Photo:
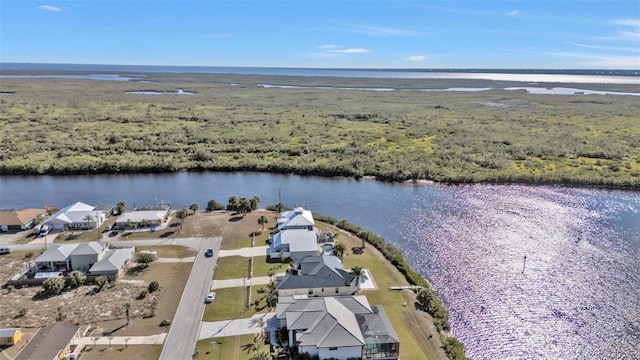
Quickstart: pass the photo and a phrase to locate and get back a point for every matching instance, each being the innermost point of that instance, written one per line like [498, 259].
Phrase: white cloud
[627, 22]
[383, 31]
[603, 47]
[49, 8]
[350, 51]
[328, 47]
[416, 58]
[513, 13]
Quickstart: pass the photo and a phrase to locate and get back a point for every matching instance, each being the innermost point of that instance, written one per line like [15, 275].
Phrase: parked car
[44, 230]
[210, 297]
[209, 252]
[5, 249]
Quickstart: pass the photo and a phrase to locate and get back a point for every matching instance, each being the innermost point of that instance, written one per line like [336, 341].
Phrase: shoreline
[421, 182]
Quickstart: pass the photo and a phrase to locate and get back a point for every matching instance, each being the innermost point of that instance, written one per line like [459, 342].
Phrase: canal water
[575, 296]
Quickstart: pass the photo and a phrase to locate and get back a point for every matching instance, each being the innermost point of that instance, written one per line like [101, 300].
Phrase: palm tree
[127, 306]
[357, 271]
[121, 207]
[87, 219]
[262, 220]
[339, 249]
[193, 207]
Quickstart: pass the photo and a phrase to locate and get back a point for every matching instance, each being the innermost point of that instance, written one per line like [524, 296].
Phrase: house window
[336, 290]
[333, 348]
[310, 291]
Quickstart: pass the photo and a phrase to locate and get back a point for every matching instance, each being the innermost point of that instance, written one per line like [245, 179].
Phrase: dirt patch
[26, 307]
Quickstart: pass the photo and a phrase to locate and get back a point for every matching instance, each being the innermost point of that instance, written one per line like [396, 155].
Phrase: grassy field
[231, 347]
[491, 136]
[122, 352]
[230, 267]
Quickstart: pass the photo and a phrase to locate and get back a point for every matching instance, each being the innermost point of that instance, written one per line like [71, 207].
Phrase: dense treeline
[54, 126]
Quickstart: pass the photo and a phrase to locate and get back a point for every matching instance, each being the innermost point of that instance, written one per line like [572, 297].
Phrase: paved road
[183, 334]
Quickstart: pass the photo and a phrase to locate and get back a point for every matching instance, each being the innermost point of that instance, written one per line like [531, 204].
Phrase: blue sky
[327, 34]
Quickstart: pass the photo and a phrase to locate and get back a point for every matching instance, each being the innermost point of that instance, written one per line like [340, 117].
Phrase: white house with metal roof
[76, 216]
[143, 218]
[295, 237]
[341, 327]
[114, 262]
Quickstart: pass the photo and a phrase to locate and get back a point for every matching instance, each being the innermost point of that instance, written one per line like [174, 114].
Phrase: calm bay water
[579, 294]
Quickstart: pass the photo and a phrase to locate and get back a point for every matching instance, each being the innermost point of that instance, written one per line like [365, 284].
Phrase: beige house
[10, 337]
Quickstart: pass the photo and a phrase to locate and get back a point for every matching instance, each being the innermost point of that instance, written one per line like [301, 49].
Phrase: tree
[260, 355]
[253, 202]
[232, 204]
[144, 258]
[214, 205]
[339, 248]
[193, 207]
[126, 341]
[127, 306]
[244, 206]
[121, 207]
[76, 279]
[87, 219]
[357, 271]
[181, 214]
[262, 220]
[101, 281]
[153, 286]
[53, 286]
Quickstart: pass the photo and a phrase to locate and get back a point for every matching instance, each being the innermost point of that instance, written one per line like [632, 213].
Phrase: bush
[101, 281]
[153, 286]
[23, 312]
[453, 348]
[213, 205]
[144, 259]
[53, 286]
[165, 322]
[143, 293]
[75, 279]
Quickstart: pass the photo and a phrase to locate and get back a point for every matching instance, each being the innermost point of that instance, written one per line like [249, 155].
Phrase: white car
[210, 297]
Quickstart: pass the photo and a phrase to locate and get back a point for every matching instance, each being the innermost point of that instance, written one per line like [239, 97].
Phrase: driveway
[233, 327]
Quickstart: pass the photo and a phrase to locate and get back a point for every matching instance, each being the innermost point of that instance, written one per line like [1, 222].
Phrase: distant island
[443, 130]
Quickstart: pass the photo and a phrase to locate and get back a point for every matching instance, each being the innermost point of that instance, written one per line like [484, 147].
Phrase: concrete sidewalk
[177, 260]
[234, 327]
[246, 252]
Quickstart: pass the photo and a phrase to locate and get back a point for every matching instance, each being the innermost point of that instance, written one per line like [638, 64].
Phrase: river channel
[576, 296]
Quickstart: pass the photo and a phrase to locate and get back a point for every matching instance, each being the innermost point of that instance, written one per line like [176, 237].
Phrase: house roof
[48, 342]
[295, 217]
[90, 248]
[317, 272]
[139, 216]
[74, 213]
[326, 321]
[297, 239]
[56, 253]
[113, 260]
[4, 333]
[19, 217]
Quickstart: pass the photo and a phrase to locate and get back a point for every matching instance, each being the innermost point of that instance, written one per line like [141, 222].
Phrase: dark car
[209, 252]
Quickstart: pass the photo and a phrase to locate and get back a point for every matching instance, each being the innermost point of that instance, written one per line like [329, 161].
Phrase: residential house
[295, 236]
[142, 218]
[93, 258]
[321, 275]
[10, 337]
[18, 220]
[114, 262]
[341, 327]
[52, 342]
[76, 216]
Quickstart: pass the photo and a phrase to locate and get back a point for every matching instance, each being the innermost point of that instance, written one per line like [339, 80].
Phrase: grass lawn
[229, 348]
[122, 352]
[235, 267]
[229, 304]
[398, 305]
